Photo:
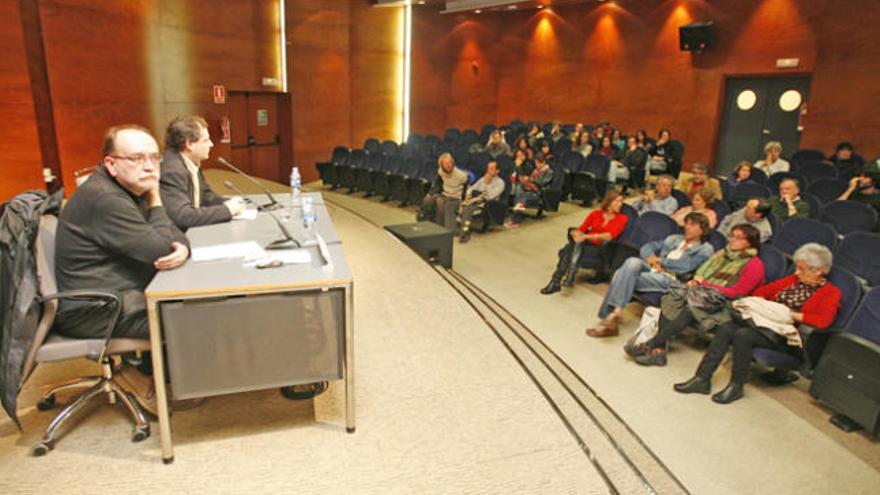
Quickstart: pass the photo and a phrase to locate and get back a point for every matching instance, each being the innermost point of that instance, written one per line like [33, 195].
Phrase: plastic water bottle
[310, 216]
[295, 191]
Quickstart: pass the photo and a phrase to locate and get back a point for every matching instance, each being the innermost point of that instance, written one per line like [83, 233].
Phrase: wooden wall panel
[319, 71]
[20, 165]
[620, 61]
[376, 40]
[147, 61]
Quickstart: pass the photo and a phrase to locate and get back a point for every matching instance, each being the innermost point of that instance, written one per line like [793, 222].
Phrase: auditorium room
[440, 246]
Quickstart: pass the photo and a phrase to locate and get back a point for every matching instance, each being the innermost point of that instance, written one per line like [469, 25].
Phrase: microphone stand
[272, 205]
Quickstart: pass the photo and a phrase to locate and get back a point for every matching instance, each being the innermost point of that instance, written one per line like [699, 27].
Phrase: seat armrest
[815, 341]
[110, 297]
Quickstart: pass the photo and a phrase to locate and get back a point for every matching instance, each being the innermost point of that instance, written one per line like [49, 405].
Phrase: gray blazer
[176, 186]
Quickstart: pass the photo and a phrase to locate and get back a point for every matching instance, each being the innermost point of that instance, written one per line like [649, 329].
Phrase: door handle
[766, 131]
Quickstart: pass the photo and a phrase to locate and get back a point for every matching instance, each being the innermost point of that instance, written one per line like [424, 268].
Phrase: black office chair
[48, 347]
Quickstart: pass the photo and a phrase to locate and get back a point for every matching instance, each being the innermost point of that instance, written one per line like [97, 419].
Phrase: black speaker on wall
[696, 36]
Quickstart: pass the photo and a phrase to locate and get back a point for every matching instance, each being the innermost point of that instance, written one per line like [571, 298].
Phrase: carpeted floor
[444, 406]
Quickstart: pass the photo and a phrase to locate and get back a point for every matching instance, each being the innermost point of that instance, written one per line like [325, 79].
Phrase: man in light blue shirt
[660, 199]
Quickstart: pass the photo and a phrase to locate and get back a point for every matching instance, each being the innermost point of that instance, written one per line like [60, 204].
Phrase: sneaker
[510, 224]
[655, 357]
[519, 207]
[140, 386]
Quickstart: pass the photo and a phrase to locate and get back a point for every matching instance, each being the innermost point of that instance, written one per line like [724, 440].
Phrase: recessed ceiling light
[478, 11]
[512, 7]
[540, 6]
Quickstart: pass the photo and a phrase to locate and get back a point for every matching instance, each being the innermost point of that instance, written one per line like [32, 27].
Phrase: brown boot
[140, 386]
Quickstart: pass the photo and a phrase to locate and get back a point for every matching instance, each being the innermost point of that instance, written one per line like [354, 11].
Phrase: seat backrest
[857, 252]
[827, 189]
[632, 219]
[469, 137]
[816, 170]
[759, 176]
[357, 158]
[745, 191]
[775, 263]
[717, 240]
[851, 293]
[798, 231]
[865, 321]
[477, 163]
[722, 209]
[372, 145]
[572, 161]
[652, 226]
[806, 155]
[44, 253]
[451, 135]
[340, 154]
[816, 206]
[849, 216]
[597, 165]
[395, 163]
[681, 197]
[375, 161]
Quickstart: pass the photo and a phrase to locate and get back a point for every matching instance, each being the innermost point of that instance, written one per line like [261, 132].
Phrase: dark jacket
[176, 186]
[19, 287]
[108, 238]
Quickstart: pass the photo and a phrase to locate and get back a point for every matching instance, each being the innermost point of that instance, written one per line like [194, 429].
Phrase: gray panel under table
[234, 344]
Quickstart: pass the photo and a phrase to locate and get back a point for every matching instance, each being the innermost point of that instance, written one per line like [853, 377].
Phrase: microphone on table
[272, 205]
[288, 242]
[231, 187]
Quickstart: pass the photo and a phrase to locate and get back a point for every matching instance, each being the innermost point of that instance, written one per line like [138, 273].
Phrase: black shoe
[733, 391]
[552, 287]
[696, 385]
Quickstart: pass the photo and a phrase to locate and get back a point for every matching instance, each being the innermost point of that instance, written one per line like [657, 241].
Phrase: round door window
[790, 100]
[746, 100]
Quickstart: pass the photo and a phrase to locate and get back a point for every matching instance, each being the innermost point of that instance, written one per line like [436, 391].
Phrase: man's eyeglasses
[140, 159]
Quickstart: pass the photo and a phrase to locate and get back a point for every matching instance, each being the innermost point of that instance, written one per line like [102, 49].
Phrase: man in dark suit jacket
[189, 199]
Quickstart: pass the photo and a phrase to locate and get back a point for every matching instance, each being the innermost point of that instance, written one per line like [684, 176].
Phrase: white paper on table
[287, 256]
[246, 214]
[232, 250]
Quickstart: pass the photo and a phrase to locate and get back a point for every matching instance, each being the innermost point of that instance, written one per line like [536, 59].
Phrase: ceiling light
[478, 11]
[512, 7]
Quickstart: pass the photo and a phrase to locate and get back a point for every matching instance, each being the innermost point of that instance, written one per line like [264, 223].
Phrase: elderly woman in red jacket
[809, 298]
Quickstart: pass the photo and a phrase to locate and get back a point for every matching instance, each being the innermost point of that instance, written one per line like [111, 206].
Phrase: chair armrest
[815, 341]
[110, 297]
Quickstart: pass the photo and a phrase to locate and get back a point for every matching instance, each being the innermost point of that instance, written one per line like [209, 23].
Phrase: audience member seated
[789, 203]
[603, 224]
[616, 170]
[732, 272]
[444, 198]
[535, 135]
[522, 143]
[633, 159]
[528, 187]
[864, 189]
[701, 203]
[496, 145]
[618, 141]
[754, 213]
[188, 198]
[769, 320]
[606, 147]
[659, 154]
[487, 188]
[741, 173]
[520, 158]
[697, 180]
[556, 131]
[576, 133]
[644, 141]
[545, 149]
[582, 144]
[845, 161]
[772, 162]
[114, 234]
[661, 263]
[659, 200]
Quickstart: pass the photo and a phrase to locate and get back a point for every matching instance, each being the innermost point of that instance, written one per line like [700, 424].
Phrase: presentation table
[229, 328]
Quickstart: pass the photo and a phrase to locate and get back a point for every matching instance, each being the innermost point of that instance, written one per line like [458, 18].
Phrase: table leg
[159, 381]
[349, 359]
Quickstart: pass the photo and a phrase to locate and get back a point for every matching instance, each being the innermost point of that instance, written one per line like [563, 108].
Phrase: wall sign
[219, 93]
[262, 117]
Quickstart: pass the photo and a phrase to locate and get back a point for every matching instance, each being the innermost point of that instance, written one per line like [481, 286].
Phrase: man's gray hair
[669, 178]
[773, 145]
[814, 255]
[446, 154]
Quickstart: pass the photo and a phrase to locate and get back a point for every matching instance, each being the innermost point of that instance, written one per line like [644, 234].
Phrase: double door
[259, 125]
[758, 110]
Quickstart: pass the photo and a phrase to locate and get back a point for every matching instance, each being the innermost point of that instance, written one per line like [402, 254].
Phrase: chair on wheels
[48, 347]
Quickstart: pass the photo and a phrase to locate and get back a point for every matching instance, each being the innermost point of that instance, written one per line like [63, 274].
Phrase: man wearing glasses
[114, 234]
[190, 200]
